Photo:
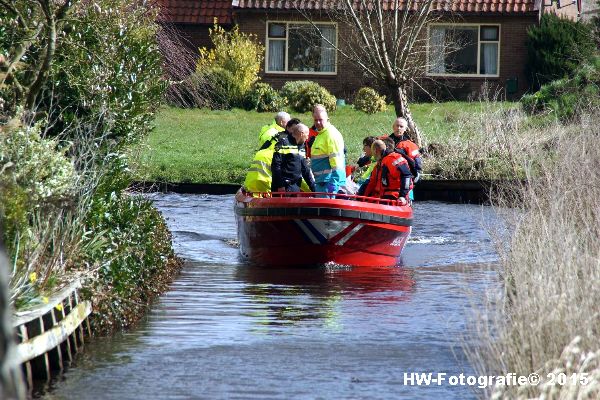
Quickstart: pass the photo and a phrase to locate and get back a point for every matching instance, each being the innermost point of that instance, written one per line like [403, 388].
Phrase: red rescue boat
[300, 229]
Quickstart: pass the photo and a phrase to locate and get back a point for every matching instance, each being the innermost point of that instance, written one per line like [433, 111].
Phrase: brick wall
[194, 35]
[348, 79]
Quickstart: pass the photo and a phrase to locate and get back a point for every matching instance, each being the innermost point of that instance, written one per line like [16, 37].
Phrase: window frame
[479, 42]
[287, 23]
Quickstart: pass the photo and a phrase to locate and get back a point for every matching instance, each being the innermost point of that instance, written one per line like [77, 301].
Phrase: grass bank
[204, 146]
[546, 320]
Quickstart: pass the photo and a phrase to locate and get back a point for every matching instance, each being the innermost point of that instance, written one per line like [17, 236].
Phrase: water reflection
[289, 296]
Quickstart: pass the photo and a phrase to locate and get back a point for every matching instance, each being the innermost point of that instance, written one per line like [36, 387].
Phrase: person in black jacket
[289, 164]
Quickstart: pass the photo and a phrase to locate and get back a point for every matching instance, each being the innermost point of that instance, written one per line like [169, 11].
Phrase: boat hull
[313, 231]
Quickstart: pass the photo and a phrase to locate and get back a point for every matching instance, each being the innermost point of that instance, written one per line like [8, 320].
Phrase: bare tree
[387, 40]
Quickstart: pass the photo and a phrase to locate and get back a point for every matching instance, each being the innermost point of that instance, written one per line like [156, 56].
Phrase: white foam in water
[430, 240]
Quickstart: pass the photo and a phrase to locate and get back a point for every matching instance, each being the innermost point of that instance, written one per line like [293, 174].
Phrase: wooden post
[28, 373]
[68, 342]
[58, 348]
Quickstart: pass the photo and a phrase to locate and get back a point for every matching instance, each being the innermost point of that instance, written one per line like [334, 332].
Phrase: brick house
[494, 33]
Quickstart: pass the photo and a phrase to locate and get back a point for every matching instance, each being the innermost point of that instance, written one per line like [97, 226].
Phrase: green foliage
[263, 98]
[134, 247]
[596, 25]
[230, 69]
[135, 250]
[36, 179]
[220, 89]
[108, 69]
[97, 95]
[303, 95]
[565, 98]
[556, 48]
[36, 165]
[369, 101]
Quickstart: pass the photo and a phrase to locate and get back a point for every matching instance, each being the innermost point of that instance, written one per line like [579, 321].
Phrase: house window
[301, 48]
[464, 50]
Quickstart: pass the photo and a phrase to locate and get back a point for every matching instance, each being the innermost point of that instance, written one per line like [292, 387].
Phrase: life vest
[411, 153]
[365, 175]
[374, 188]
[259, 177]
[409, 150]
[312, 134]
[268, 132]
[391, 178]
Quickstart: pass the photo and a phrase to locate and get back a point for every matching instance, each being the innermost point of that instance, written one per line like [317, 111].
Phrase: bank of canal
[227, 330]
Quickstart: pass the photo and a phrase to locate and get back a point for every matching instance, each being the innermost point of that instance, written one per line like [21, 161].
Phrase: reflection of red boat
[294, 229]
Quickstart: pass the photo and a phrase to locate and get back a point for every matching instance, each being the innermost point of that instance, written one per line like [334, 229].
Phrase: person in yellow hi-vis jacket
[328, 161]
[259, 177]
[269, 132]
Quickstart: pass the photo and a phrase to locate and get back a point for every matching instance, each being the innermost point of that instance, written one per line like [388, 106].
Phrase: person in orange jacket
[406, 147]
[391, 177]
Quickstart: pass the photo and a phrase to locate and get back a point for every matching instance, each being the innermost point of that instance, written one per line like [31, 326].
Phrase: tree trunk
[402, 110]
[11, 378]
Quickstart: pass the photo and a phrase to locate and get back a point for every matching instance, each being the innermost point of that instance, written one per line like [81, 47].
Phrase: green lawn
[204, 146]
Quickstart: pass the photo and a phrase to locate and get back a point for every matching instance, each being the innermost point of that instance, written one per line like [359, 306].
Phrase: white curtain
[437, 50]
[327, 63]
[489, 58]
[276, 55]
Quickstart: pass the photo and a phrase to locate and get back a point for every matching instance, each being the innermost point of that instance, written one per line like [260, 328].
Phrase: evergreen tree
[556, 48]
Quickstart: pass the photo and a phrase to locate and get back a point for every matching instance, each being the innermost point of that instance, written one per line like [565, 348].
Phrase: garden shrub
[135, 251]
[220, 89]
[556, 48]
[369, 101]
[107, 69]
[303, 95]
[34, 175]
[97, 97]
[37, 180]
[263, 98]
[230, 67]
[565, 98]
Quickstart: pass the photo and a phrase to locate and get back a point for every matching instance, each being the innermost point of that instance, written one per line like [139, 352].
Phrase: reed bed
[546, 317]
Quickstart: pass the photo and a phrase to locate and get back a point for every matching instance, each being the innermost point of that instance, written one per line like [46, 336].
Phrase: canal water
[227, 330]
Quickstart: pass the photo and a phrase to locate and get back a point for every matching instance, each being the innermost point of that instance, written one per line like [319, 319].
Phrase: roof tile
[492, 6]
[195, 11]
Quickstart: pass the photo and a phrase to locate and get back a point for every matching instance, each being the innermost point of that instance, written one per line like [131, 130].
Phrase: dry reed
[547, 319]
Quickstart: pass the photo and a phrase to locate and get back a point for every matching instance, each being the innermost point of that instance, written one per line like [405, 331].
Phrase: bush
[108, 69]
[369, 101]
[263, 98]
[135, 250]
[303, 95]
[565, 98]
[37, 180]
[556, 48]
[34, 174]
[231, 67]
[99, 85]
[220, 89]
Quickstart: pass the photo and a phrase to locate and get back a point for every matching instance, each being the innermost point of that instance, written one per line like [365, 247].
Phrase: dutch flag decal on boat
[320, 231]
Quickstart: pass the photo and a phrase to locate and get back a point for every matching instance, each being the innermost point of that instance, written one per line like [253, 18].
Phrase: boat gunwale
[324, 208]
